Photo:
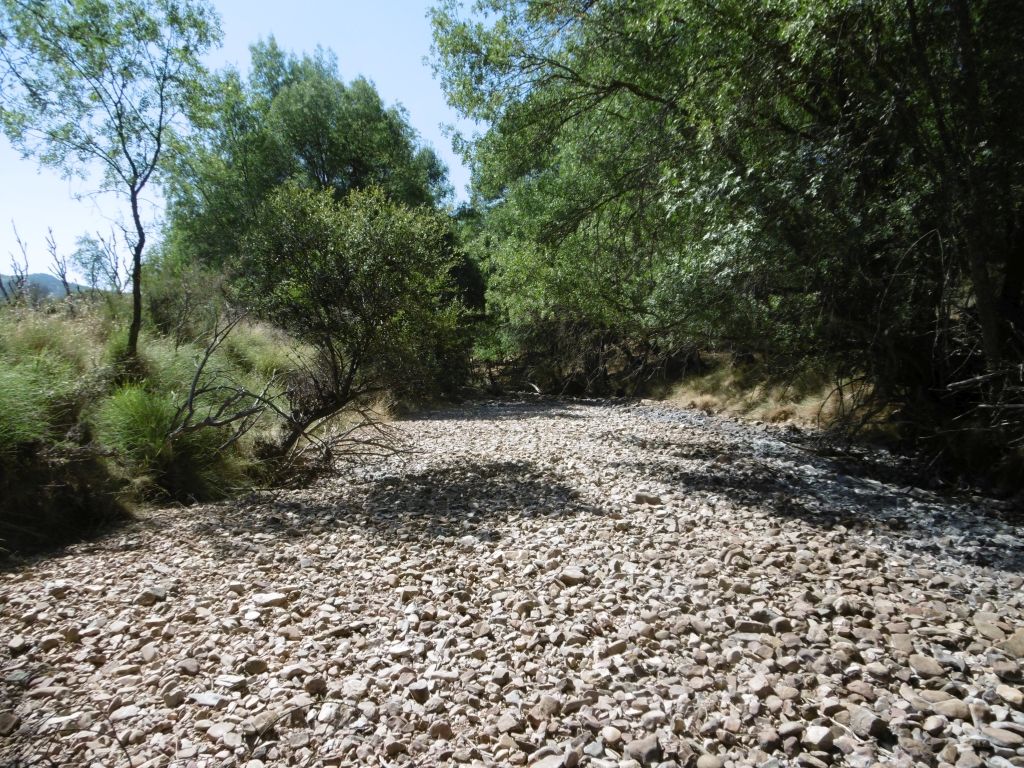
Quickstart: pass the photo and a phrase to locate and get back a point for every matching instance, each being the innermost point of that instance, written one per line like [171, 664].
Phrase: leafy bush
[364, 281]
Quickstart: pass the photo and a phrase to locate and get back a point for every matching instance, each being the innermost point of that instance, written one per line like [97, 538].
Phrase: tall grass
[84, 431]
[135, 423]
[24, 417]
[752, 391]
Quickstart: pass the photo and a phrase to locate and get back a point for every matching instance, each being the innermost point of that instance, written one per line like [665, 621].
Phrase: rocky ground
[544, 584]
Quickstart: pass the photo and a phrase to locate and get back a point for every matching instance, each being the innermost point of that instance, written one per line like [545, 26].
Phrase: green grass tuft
[135, 423]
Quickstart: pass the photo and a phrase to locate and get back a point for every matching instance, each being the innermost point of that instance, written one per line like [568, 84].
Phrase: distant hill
[43, 285]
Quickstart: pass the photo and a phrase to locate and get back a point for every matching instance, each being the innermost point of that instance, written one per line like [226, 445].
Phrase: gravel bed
[551, 584]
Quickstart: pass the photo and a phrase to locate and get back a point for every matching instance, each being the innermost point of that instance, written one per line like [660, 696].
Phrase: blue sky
[384, 40]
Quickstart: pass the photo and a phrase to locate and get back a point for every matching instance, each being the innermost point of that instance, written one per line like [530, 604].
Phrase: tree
[365, 281]
[102, 83]
[815, 182]
[292, 118]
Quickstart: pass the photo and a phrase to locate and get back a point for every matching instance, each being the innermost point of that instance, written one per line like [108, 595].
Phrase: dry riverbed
[545, 584]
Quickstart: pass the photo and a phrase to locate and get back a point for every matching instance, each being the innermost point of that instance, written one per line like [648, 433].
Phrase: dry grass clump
[805, 398]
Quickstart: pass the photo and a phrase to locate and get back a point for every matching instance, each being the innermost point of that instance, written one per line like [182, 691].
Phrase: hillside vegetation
[788, 210]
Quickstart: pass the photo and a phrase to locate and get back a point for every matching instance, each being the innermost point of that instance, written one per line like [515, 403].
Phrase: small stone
[614, 649]
[572, 576]
[925, 666]
[315, 686]
[549, 761]
[935, 724]
[760, 687]
[954, 709]
[645, 751]
[865, 723]
[510, 723]
[208, 699]
[188, 667]
[231, 682]
[355, 687]
[792, 728]
[643, 497]
[270, 599]
[400, 650]
[125, 713]
[17, 645]
[818, 737]
[419, 691]
[263, 723]
[58, 590]
[611, 735]
[1002, 737]
[769, 740]
[748, 627]
[254, 666]
[394, 748]
[149, 652]
[1011, 696]
[440, 729]
[548, 706]
[151, 596]
[708, 761]
[651, 719]
[787, 693]
[1014, 644]
[1007, 670]
[293, 671]
[969, 759]
[406, 594]
[9, 722]
[174, 698]
[218, 731]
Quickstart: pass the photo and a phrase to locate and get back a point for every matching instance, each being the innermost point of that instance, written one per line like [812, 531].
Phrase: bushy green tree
[829, 180]
[363, 280]
[294, 119]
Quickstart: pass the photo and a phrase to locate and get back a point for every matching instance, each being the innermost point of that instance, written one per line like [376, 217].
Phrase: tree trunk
[140, 243]
[976, 234]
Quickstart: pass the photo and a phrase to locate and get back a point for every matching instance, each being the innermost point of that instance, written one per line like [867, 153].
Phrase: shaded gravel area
[553, 584]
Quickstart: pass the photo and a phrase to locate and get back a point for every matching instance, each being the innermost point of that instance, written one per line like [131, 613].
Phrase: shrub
[135, 423]
[364, 281]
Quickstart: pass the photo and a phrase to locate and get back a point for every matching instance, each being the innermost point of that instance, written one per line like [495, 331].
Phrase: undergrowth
[84, 434]
[807, 396]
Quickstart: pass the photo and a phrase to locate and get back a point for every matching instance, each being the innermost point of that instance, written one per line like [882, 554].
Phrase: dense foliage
[363, 281]
[292, 119]
[825, 183]
[307, 272]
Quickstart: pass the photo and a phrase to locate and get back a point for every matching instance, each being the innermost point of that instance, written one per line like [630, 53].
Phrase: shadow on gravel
[473, 499]
[921, 521]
